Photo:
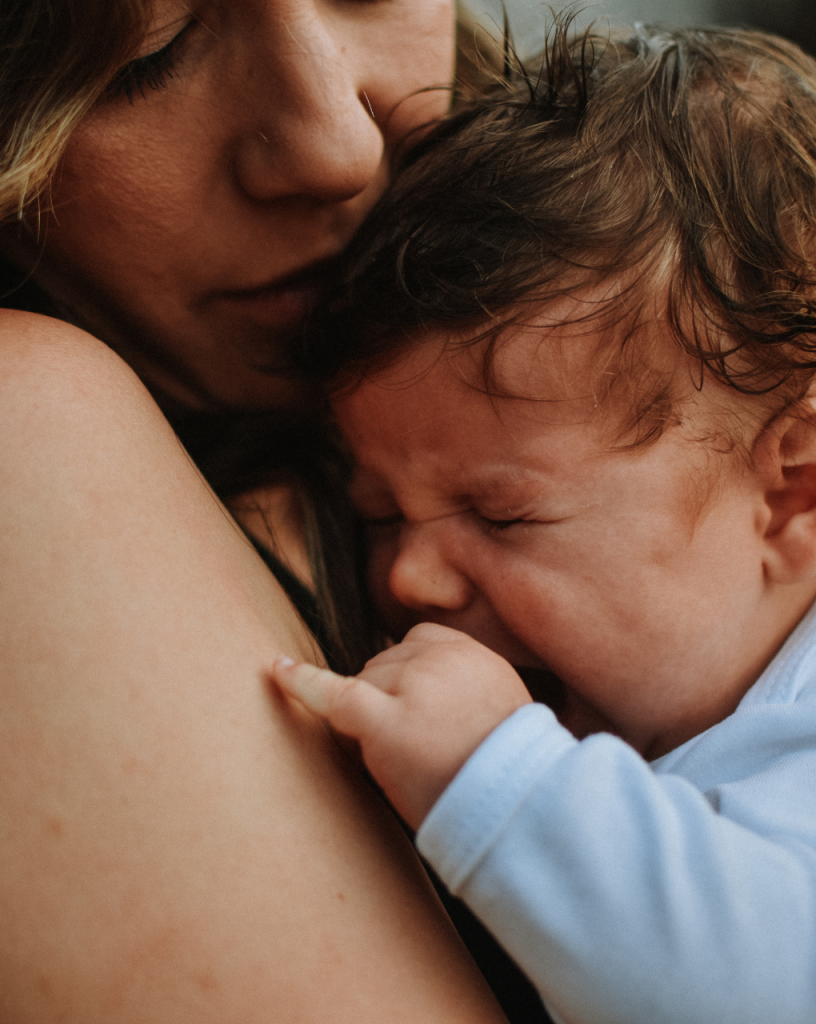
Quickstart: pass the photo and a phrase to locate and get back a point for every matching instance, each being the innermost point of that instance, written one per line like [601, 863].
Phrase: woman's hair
[679, 164]
[58, 56]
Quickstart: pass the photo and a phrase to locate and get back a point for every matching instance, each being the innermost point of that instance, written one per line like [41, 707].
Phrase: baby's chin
[543, 686]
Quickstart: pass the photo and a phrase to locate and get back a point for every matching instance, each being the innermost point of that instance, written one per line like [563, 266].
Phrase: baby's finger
[351, 705]
[317, 688]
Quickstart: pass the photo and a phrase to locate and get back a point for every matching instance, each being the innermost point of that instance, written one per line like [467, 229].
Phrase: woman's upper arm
[176, 843]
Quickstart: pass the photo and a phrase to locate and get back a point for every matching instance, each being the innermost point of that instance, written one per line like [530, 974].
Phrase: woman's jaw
[222, 348]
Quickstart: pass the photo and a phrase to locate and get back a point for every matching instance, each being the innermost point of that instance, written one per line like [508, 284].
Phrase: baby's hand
[418, 710]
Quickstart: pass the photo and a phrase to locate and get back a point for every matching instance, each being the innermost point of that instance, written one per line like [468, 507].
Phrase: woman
[177, 844]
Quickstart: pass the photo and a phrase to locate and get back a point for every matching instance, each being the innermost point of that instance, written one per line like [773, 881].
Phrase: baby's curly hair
[680, 163]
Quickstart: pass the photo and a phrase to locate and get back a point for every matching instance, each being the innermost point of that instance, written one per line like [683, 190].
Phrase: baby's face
[630, 574]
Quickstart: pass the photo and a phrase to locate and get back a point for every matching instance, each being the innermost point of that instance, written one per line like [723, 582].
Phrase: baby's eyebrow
[504, 478]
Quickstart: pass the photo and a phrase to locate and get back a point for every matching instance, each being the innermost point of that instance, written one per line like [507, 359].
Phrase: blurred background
[795, 19]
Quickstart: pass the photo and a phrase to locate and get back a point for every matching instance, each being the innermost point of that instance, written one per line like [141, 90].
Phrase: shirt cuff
[483, 797]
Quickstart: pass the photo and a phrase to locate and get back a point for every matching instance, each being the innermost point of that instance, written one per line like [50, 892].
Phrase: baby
[577, 378]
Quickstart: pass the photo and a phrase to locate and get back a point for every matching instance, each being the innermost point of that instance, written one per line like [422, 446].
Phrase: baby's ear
[788, 467]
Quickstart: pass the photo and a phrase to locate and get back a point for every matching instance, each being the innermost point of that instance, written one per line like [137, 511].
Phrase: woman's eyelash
[153, 71]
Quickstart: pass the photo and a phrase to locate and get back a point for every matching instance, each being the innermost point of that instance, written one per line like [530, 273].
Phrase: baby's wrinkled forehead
[429, 443]
[440, 383]
[463, 415]
[568, 361]
[432, 413]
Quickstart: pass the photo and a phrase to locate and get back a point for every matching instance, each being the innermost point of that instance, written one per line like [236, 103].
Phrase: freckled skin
[259, 157]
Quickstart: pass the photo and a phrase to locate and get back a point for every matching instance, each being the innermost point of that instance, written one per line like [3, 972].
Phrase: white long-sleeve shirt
[677, 892]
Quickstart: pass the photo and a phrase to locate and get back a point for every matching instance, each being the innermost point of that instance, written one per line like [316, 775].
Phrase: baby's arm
[623, 893]
[418, 710]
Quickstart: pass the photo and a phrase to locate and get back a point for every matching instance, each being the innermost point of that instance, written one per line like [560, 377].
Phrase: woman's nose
[314, 132]
[422, 577]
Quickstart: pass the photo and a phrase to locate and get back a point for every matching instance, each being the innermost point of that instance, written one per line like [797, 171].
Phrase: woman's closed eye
[151, 71]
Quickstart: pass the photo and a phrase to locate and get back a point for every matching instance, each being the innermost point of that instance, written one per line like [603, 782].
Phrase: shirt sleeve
[632, 897]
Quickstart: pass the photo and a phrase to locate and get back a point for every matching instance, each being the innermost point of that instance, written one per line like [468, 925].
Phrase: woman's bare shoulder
[69, 402]
[197, 840]
[42, 350]
[22, 332]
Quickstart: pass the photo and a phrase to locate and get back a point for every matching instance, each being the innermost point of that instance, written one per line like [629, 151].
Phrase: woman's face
[193, 219]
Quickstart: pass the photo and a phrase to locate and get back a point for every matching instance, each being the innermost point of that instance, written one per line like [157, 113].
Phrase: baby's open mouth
[543, 686]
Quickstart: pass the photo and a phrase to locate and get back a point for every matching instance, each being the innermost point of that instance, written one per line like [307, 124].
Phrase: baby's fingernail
[284, 661]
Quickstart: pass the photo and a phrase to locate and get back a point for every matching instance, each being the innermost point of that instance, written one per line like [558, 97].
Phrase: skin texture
[189, 226]
[656, 582]
[178, 843]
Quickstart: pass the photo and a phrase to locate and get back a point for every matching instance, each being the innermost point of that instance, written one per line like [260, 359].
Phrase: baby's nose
[423, 575]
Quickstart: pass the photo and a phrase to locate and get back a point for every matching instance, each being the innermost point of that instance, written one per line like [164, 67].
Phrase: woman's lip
[282, 303]
[273, 306]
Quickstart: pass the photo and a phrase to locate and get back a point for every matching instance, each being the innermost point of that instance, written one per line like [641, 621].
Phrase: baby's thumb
[317, 688]
[351, 705]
